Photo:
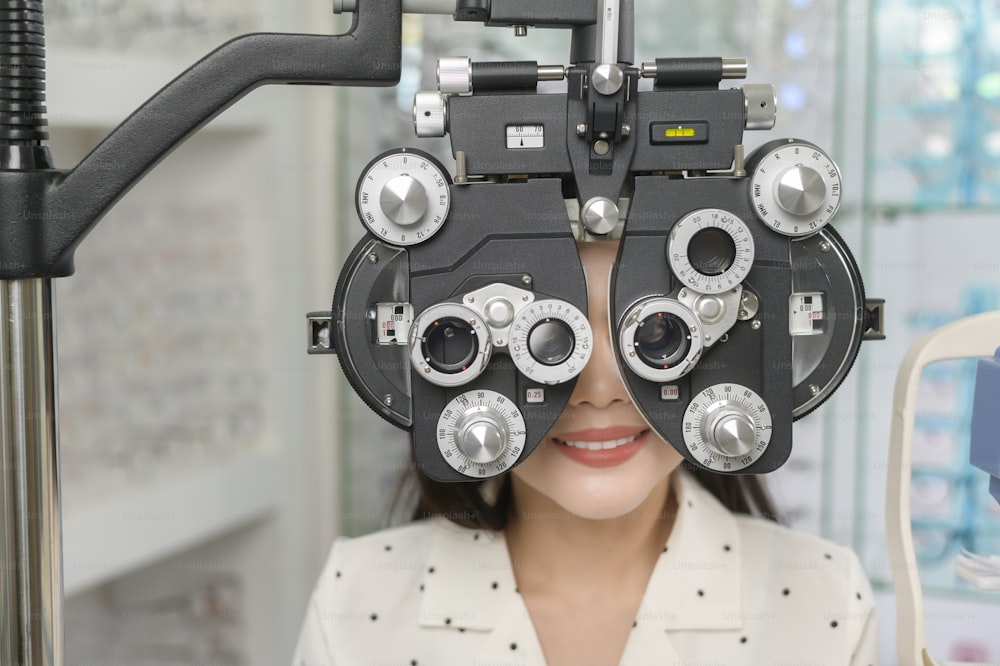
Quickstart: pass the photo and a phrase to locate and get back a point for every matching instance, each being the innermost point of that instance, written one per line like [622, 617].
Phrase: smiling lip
[604, 457]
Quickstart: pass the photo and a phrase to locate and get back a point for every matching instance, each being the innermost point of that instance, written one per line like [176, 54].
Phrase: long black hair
[467, 505]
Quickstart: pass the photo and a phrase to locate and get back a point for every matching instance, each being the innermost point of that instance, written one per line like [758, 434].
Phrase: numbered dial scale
[727, 427]
[403, 196]
[710, 250]
[481, 434]
[795, 188]
[550, 341]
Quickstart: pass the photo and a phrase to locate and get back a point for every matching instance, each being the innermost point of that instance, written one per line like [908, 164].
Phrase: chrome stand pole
[31, 579]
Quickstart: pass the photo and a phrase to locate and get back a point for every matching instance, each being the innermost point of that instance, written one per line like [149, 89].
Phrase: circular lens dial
[710, 250]
[449, 345]
[727, 427]
[550, 341]
[403, 196]
[481, 433]
[795, 188]
[660, 340]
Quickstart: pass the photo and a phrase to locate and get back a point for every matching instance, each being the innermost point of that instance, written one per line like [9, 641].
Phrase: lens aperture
[711, 251]
[449, 345]
[662, 340]
[551, 341]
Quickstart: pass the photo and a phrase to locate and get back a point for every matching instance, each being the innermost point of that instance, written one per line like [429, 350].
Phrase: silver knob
[760, 106]
[801, 191]
[600, 216]
[482, 437]
[454, 75]
[607, 79]
[404, 200]
[729, 430]
[430, 114]
[499, 312]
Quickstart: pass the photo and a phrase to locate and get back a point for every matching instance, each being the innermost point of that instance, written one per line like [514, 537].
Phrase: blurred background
[208, 463]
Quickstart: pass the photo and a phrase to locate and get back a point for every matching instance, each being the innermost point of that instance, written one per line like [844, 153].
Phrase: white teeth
[597, 446]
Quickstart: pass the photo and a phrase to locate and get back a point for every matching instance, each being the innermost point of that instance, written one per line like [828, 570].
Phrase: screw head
[814, 389]
[755, 324]
[581, 129]
[388, 400]
[626, 129]
[824, 247]
[372, 258]
[526, 280]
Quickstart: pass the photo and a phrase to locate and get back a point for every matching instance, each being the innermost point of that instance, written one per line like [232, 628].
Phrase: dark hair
[465, 505]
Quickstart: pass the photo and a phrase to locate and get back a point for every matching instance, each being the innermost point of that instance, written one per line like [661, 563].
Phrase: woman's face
[633, 459]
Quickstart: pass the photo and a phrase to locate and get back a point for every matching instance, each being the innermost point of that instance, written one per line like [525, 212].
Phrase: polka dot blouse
[726, 590]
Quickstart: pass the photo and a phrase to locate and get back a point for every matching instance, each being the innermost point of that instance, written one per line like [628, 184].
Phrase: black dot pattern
[781, 580]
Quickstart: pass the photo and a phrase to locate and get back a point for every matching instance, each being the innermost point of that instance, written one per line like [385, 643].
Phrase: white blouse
[726, 590]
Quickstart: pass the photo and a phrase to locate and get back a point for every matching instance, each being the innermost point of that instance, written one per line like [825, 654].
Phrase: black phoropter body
[735, 307]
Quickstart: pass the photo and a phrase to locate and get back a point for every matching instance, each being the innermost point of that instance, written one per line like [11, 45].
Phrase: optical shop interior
[209, 459]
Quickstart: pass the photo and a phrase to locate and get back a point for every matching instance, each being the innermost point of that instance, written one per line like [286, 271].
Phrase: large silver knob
[403, 196]
[430, 114]
[482, 436]
[795, 187]
[801, 191]
[600, 216]
[607, 79]
[481, 433]
[727, 427]
[729, 430]
[404, 200]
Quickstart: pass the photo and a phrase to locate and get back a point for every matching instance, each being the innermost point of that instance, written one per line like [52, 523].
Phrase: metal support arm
[46, 214]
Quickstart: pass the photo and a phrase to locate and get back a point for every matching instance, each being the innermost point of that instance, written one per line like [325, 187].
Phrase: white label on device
[525, 136]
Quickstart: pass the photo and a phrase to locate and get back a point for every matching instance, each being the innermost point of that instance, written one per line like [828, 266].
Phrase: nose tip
[600, 384]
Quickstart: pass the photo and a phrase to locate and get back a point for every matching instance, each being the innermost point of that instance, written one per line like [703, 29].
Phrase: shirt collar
[696, 584]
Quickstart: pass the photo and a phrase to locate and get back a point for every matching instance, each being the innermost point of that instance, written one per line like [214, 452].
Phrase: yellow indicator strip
[678, 132]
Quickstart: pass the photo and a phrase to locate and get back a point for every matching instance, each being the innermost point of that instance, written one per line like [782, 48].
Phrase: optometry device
[461, 316]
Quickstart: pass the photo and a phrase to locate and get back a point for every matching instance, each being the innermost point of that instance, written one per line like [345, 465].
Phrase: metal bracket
[874, 319]
[319, 330]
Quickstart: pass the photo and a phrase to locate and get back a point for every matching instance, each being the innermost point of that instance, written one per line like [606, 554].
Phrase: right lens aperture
[662, 340]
